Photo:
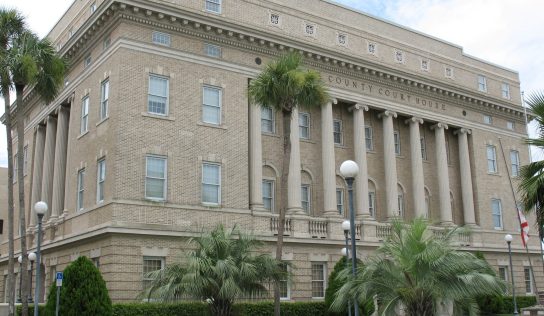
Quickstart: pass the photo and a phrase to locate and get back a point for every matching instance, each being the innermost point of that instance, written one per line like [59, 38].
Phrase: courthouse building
[152, 139]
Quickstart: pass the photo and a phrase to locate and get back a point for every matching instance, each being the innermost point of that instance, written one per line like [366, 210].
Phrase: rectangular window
[447, 141]
[80, 188]
[15, 167]
[93, 7]
[155, 177]
[505, 89]
[96, 262]
[340, 201]
[337, 131]
[87, 61]
[161, 38]
[304, 125]
[423, 148]
[285, 289]
[491, 159]
[157, 97]
[100, 178]
[396, 137]
[514, 159]
[212, 50]
[503, 273]
[528, 280]
[369, 138]
[268, 194]
[305, 197]
[106, 43]
[482, 83]
[84, 115]
[510, 125]
[25, 160]
[104, 97]
[151, 264]
[372, 203]
[211, 183]
[211, 105]
[496, 209]
[267, 119]
[488, 119]
[319, 273]
[213, 6]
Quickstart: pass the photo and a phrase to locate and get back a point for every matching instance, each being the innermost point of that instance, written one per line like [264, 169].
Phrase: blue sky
[505, 32]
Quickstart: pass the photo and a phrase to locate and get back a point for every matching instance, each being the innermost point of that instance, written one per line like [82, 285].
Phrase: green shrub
[41, 309]
[160, 309]
[83, 292]
[493, 305]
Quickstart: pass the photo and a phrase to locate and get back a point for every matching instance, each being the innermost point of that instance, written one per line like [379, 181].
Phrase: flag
[524, 228]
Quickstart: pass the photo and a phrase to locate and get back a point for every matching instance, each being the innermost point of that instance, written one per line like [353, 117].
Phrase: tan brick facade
[126, 227]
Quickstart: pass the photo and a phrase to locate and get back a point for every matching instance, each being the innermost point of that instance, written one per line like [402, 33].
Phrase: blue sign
[59, 278]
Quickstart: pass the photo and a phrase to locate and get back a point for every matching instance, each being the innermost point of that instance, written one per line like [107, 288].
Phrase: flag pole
[519, 219]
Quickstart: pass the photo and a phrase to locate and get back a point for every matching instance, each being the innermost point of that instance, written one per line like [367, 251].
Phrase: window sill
[102, 121]
[155, 200]
[270, 134]
[211, 205]
[81, 135]
[340, 146]
[223, 127]
[498, 228]
[157, 116]
[495, 174]
[307, 140]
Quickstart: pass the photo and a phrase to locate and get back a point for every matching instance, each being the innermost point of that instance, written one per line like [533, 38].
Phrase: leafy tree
[83, 292]
[30, 62]
[531, 186]
[221, 269]
[418, 270]
[11, 25]
[283, 85]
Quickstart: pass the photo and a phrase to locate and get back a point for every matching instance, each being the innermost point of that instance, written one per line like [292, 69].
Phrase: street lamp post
[345, 252]
[31, 258]
[508, 239]
[349, 171]
[20, 260]
[41, 209]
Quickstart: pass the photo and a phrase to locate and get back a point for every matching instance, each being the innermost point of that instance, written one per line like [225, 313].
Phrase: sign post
[59, 278]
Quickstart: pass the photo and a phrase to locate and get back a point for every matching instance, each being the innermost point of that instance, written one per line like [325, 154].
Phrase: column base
[296, 211]
[364, 217]
[258, 209]
[471, 225]
[332, 214]
[448, 223]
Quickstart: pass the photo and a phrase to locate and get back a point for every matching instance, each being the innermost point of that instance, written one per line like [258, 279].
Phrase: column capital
[38, 127]
[440, 125]
[462, 131]
[333, 101]
[414, 119]
[358, 106]
[387, 113]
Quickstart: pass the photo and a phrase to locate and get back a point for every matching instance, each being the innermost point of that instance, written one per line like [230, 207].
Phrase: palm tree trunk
[11, 271]
[286, 119]
[20, 178]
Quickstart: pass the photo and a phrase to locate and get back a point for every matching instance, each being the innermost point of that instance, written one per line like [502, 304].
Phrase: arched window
[400, 200]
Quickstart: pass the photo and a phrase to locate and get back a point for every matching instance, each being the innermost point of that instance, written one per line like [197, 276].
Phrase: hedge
[287, 309]
[503, 304]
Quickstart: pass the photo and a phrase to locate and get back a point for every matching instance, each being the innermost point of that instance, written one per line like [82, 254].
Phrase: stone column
[466, 177]
[294, 204]
[37, 171]
[255, 159]
[59, 171]
[328, 160]
[390, 164]
[48, 161]
[417, 167]
[446, 216]
[359, 146]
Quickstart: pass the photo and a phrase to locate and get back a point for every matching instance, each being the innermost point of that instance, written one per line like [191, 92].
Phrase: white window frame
[423, 145]
[324, 280]
[15, 167]
[100, 179]
[272, 184]
[149, 94]
[396, 140]
[217, 185]
[488, 119]
[492, 159]
[482, 83]
[87, 61]
[161, 38]
[448, 72]
[150, 258]
[84, 128]
[340, 201]
[272, 120]
[372, 48]
[342, 39]
[369, 138]
[288, 285]
[164, 179]
[209, 3]
[308, 200]
[504, 274]
[425, 65]
[510, 125]
[311, 26]
[106, 42]
[214, 51]
[25, 160]
[104, 98]
[271, 19]
[372, 203]
[219, 106]
[499, 214]
[93, 7]
[80, 189]
[527, 273]
[514, 161]
[304, 127]
[336, 133]
[401, 203]
[505, 90]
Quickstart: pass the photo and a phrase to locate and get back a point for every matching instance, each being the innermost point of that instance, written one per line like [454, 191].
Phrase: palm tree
[283, 85]
[417, 270]
[11, 25]
[31, 62]
[221, 269]
[532, 174]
